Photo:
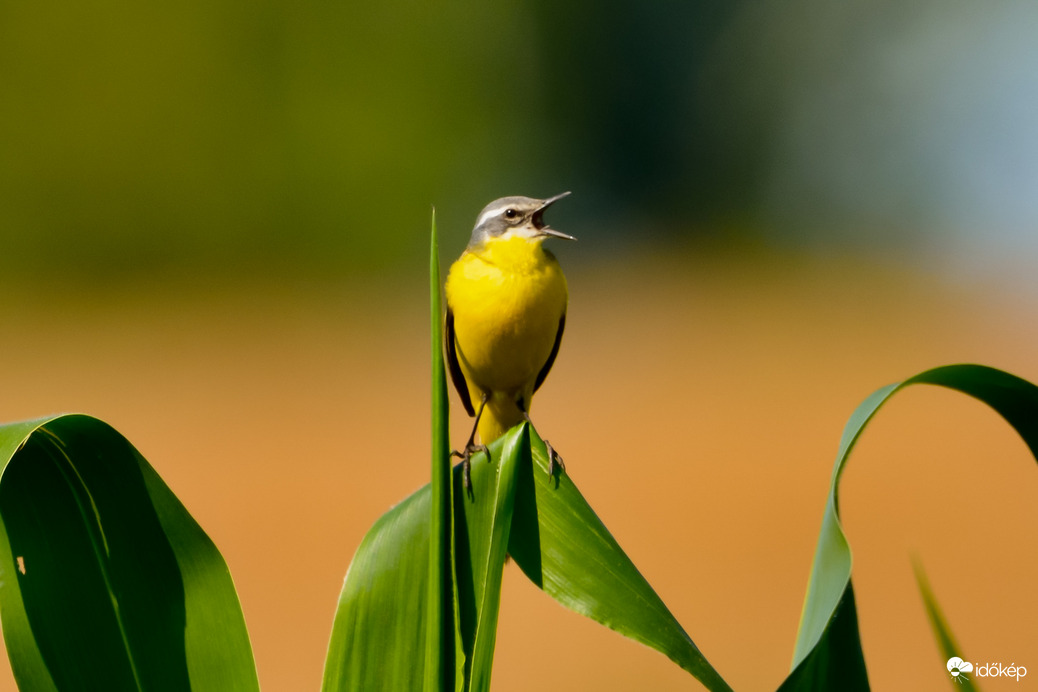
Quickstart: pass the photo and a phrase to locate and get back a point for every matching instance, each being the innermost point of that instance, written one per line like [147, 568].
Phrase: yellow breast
[507, 297]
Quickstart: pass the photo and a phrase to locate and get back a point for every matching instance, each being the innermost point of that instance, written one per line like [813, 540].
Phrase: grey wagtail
[506, 310]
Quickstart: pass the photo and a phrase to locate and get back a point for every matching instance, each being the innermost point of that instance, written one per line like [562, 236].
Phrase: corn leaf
[379, 636]
[484, 519]
[562, 547]
[106, 582]
[828, 649]
[550, 531]
[946, 644]
[443, 654]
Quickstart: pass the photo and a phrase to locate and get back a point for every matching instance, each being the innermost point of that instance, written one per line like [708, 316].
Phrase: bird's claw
[466, 461]
[554, 459]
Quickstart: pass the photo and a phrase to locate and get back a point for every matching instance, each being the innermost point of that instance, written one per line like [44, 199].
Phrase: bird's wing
[457, 377]
[554, 352]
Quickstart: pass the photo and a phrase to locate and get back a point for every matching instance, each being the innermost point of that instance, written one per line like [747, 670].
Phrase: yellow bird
[506, 311]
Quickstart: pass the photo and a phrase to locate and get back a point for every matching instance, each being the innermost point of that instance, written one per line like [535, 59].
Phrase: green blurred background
[300, 140]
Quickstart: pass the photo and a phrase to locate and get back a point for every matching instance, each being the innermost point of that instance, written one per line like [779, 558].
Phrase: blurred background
[214, 228]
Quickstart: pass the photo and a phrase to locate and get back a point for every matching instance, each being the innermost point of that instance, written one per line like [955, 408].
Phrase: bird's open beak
[552, 200]
[538, 218]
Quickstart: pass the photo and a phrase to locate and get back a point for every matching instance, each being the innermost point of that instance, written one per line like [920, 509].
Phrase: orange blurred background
[698, 406]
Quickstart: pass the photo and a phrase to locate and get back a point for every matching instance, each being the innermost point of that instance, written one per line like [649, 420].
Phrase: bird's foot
[466, 461]
[554, 459]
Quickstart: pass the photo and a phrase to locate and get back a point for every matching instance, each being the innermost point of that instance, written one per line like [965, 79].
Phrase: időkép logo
[961, 670]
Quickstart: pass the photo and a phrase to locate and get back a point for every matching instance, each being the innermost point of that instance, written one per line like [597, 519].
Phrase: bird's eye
[511, 213]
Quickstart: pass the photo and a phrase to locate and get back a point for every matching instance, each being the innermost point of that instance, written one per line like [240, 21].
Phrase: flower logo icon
[958, 668]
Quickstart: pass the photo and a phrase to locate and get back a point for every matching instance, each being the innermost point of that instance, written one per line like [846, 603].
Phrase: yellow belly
[507, 298]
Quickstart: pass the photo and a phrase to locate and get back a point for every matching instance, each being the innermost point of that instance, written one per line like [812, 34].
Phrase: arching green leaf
[828, 648]
[106, 582]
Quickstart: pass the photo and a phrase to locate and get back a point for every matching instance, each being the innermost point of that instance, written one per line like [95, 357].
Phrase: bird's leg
[471, 448]
[554, 459]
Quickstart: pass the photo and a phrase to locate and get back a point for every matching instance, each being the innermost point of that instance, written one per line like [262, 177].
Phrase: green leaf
[828, 648]
[379, 635]
[839, 663]
[443, 655]
[550, 531]
[946, 643]
[562, 546]
[106, 582]
[484, 519]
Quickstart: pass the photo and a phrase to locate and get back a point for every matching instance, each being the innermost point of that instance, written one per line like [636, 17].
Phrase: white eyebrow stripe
[489, 213]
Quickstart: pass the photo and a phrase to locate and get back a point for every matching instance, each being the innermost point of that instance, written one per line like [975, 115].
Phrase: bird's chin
[524, 232]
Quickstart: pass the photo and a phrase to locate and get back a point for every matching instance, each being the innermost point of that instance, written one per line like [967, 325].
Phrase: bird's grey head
[519, 216]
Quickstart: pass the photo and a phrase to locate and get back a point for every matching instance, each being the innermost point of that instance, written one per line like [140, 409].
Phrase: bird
[506, 312]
